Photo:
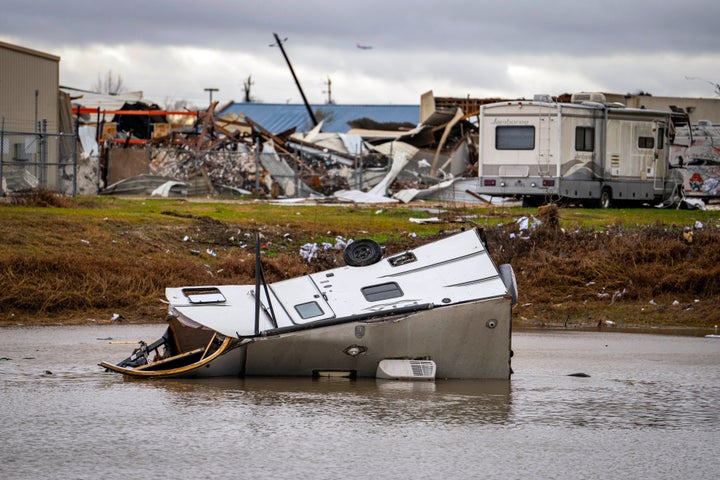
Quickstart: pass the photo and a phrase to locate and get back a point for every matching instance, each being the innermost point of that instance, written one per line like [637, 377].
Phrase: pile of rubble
[235, 155]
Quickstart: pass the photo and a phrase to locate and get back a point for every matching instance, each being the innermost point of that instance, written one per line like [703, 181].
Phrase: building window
[383, 291]
[309, 310]
[646, 142]
[515, 137]
[584, 139]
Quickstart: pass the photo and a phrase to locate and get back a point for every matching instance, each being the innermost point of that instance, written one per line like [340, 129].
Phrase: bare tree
[716, 86]
[247, 85]
[109, 84]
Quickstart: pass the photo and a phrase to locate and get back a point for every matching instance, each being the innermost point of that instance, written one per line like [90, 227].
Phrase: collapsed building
[141, 149]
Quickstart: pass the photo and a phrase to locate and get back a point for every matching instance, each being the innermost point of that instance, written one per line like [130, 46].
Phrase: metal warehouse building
[29, 118]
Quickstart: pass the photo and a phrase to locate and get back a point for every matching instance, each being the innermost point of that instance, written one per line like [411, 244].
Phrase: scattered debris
[144, 150]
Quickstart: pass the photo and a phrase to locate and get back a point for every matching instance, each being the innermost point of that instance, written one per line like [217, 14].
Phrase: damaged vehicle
[440, 310]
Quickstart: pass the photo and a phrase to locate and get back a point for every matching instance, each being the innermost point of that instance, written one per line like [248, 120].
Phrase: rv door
[660, 155]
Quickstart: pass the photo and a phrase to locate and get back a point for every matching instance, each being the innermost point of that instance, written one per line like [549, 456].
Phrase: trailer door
[660, 155]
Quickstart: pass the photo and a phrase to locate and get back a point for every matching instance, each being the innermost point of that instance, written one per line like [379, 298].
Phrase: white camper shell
[585, 151]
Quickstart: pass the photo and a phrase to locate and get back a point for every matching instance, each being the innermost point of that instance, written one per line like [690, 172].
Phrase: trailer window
[584, 139]
[646, 142]
[309, 310]
[515, 137]
[383, 291]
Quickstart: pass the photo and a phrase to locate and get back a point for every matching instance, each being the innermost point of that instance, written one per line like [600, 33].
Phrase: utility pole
[279, 43]
[329, 100]
[211, 90]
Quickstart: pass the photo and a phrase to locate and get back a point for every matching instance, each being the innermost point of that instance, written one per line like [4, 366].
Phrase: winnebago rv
[584, 151]
[696, 154]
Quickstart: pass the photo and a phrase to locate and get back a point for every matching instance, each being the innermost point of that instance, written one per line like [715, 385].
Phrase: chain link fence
[37, 159]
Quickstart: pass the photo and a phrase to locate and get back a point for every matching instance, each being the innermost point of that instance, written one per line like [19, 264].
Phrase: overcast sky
[173, 50]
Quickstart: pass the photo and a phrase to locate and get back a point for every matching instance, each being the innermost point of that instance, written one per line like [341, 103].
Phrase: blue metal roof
[279, 117]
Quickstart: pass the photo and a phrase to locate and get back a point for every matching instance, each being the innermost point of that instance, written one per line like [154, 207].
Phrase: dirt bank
[75, 269]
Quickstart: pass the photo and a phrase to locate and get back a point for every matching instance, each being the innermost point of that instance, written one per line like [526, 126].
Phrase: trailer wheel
[532, 201]
[605, 198]
[361, 253]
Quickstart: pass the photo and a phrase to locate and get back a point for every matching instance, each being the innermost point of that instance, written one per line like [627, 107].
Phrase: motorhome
[586, 151]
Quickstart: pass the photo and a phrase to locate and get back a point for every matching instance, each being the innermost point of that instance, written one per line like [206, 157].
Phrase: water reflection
[647, 410]
[443, 401]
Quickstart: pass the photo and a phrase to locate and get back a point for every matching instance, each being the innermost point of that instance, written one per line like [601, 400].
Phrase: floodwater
[648, 410]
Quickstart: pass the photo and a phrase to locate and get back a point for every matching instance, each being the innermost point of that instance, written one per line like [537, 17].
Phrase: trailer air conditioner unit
[401, 369]
[587, 97]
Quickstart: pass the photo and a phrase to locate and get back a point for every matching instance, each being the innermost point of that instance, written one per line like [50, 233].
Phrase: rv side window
[308, 310]
[660, 138]
[584, 139]
[646, 142]
[383, 291]
[515, 137]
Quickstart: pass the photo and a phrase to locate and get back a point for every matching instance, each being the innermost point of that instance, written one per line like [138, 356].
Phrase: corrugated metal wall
[28, 88]
[29, 105]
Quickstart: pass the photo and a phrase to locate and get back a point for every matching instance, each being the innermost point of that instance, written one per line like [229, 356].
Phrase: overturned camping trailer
[443, 309]
[586, 150]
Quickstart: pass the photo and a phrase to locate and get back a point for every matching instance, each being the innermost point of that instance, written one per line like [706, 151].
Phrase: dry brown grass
[62, 269]
[655, 275]
[39, 197]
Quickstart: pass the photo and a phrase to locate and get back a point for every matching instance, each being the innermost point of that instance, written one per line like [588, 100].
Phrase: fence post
[257, 167]
[2, 151]
[43, 153]
[76, 140]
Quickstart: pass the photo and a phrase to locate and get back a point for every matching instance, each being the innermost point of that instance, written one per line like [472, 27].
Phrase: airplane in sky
[363, 47]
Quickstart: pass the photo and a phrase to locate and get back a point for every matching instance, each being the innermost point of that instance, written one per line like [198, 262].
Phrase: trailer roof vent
[587, 97]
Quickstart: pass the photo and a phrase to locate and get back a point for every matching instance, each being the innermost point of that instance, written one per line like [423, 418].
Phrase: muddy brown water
[649, 409]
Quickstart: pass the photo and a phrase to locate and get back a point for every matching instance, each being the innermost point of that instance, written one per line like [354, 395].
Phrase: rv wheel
[605, 198]
[361, 253]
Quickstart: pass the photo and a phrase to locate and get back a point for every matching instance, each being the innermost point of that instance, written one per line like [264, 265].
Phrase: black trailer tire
[532, 201]
[605, 198]
[361, 253]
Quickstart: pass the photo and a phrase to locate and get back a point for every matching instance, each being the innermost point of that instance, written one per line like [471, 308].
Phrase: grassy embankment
[82, 260]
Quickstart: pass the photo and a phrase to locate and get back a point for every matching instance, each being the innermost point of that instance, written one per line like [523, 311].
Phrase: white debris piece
[309, 251]
[528, 223]
[423, 163]
[425, 220]
[341, 243]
